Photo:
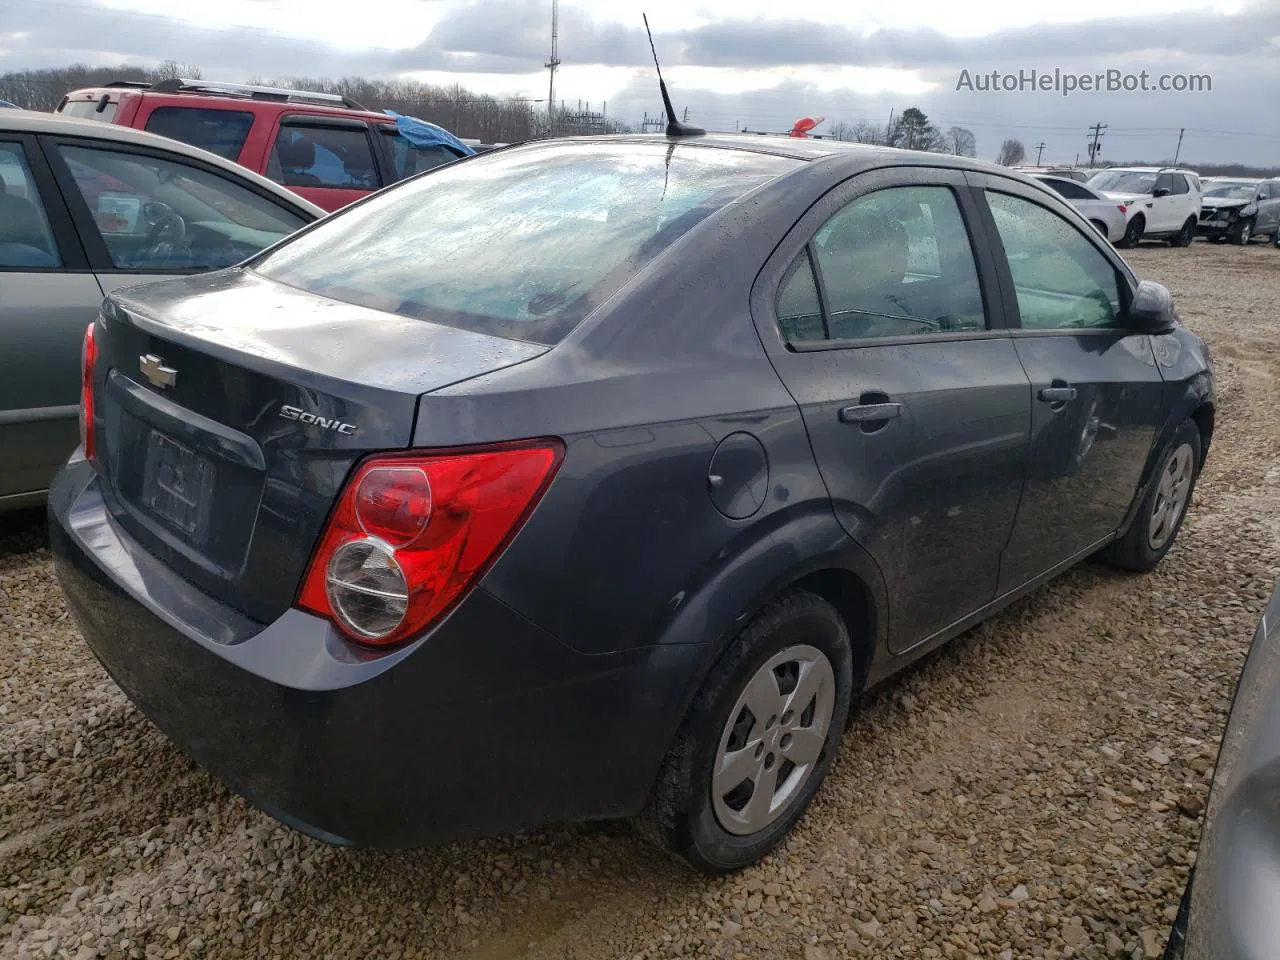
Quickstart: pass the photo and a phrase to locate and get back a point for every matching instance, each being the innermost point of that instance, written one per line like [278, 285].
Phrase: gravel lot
[1031, 791]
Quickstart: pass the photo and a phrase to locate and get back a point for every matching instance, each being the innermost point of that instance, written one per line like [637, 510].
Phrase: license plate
[177, 484]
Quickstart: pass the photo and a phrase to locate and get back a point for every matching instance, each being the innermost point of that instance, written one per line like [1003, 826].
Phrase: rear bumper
[487, 725]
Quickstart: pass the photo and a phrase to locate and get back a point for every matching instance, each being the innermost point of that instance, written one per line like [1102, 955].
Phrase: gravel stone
[1032, 790]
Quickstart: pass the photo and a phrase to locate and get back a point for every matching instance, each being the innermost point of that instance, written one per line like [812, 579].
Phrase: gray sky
[754, 62]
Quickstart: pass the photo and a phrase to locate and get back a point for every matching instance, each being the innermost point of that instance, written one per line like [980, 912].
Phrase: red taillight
[413, 532]
[88, 360]
[1123, 207]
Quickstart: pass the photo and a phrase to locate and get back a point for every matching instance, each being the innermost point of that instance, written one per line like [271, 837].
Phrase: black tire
[681, 816]
[1185, 236]
[1240, 232]
[1136, 550]
[1133, 232]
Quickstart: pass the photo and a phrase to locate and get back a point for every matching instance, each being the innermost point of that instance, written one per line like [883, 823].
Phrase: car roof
[855, 155]
[30, 121]
[229, 101]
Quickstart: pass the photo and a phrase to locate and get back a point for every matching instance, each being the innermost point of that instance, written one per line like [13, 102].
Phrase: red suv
[325, 147]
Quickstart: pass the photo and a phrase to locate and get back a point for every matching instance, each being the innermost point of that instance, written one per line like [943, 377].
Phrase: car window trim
[62, 225]
[764, 295]
[1013, 316]
[99, 257]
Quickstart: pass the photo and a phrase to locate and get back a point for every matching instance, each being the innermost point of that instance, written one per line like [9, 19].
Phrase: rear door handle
[1058, 394]
[870, 412]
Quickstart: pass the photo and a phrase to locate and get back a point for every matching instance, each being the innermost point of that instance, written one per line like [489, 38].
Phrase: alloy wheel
[773, 740]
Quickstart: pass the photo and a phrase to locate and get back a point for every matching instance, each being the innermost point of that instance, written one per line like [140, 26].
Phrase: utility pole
[1096, 131]
[888, 131]
[1039, 152]
[552, 64]
[1178, 152]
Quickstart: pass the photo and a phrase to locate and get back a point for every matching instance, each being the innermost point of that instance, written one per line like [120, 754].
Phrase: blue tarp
[423, 134]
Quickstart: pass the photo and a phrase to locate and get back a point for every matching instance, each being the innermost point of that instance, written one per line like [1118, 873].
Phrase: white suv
[1159, 203]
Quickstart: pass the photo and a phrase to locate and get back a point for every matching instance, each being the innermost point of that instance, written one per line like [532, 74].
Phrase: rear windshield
[88, 109]
[523, 244]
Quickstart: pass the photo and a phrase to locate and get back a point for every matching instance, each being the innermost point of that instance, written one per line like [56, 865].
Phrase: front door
[918, 409]
[1098, 394]
[1268, 207]
[47, 299]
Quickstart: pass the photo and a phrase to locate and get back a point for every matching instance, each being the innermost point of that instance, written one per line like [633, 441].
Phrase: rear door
[882, 320]
[48, 296]
[331, 161]
[147, 215]
[1098, 394]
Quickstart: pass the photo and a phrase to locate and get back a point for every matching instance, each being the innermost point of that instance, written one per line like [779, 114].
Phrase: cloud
[509, 38]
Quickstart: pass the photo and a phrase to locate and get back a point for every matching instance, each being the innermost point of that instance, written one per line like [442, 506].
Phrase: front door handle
[870, 412]
[1058, 394]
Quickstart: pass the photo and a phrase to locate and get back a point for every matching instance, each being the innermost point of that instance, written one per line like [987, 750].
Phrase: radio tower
[554, 61]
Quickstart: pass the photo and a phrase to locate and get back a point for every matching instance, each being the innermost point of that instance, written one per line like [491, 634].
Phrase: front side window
[25, 237]
[159, 214]
[1179, 185]
[219, 131]
[307, 156]
[522, 244]
[898, 262]
[1062, 281]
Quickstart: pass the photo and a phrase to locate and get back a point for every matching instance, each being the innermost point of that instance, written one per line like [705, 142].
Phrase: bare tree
[173, 70]
[1012, 153]
[962, 142]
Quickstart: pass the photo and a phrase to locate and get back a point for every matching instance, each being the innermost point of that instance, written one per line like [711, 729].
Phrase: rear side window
[308, 156]
[522, 244]
[219, 131]
[1068, 190]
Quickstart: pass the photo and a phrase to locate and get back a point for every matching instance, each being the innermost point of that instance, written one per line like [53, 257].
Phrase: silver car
[86, 208]
[1229, 910]
[1106, 215]
[1237, 209]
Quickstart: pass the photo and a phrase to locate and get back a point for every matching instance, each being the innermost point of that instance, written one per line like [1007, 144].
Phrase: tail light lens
[88, 360]
[1122, 207]
[412, 533]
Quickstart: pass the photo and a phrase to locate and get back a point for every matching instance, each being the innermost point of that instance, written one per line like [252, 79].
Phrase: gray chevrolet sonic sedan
[592, 478]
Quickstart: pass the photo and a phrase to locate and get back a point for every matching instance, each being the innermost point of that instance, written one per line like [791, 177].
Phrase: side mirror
[1152, 309]
[1161, 192]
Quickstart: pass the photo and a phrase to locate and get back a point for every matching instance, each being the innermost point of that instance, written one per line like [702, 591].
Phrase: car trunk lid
[233, 408]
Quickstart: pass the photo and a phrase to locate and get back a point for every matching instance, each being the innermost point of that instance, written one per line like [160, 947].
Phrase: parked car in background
[87, 208]
[1236, 209]
[1228, 911]
[325, 147]
[592, 478]
[1161, 203]
[6, 105]
[1066, 173]
[1106, 215]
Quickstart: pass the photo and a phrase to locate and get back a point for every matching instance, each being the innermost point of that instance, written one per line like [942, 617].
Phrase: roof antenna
[674, 127]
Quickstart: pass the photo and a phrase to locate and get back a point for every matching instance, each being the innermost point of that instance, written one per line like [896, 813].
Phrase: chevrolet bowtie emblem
[153, 369]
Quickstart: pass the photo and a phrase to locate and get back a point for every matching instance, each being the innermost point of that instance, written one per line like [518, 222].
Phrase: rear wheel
[758, 740]
[1100, 227]
[1240, 232]
[1133, 232]
[1186, 235]
[1163, 508]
